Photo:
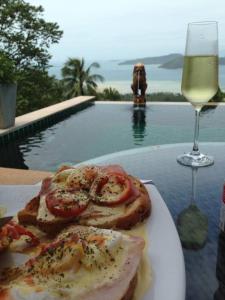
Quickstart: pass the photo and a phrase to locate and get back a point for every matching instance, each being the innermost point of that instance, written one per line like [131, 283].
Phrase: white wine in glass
[199, 80]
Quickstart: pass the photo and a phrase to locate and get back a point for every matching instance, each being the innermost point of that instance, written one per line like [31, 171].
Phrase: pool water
[106, 128]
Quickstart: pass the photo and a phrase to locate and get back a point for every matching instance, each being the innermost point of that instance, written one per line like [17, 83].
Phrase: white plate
[165, 250]
[165, 253]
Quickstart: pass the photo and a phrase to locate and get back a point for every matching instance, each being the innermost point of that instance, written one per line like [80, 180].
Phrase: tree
[45, 90]
[24, 35]
[77, 79]
[25, 38]
[7, 69]
[111, 94]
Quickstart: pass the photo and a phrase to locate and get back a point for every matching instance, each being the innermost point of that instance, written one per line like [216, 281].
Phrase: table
[174, 182]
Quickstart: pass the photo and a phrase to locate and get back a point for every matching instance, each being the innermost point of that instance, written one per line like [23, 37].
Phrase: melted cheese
[95, 215]
[144, 270]
[73, 284]
[23, 245]
[59, 179]
[24, 292]
[79, 177]
[43, 213]
[20, 244]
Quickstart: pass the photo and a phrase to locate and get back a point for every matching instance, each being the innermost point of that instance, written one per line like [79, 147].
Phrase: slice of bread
[28, 215]
[122, 216]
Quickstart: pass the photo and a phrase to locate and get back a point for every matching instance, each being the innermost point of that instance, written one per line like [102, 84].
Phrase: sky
[126, 29]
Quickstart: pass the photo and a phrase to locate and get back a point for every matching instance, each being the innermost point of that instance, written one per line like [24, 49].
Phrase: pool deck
[10, 176]
[44, 113]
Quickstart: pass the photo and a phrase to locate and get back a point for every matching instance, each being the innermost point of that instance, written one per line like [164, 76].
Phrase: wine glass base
[199, 160]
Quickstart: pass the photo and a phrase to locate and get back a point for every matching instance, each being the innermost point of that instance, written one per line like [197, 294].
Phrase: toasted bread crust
[132, 214]
[28, 215]
[53, 227]
[141, 211]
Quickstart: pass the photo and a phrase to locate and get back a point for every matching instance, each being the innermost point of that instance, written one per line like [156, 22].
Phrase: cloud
[127, 28]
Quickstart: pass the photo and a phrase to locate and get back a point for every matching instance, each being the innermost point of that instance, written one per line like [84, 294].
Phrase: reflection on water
[106, 128]
[139, 124]
[12, 157]
[192, 223]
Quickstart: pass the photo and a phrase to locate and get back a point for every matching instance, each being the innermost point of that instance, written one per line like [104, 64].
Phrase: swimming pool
[109, 127]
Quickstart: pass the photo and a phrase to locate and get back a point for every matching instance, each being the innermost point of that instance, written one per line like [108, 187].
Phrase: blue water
[120, 76]
[106, 128]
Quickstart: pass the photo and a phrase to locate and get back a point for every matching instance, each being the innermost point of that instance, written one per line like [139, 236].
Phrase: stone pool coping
[32, 121]
[149, 102]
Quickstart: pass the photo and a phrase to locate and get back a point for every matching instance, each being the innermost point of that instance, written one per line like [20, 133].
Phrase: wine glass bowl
[202, 85]
[199, 80]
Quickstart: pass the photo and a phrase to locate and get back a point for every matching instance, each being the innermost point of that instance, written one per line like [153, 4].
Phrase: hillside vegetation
[156, 60]
[170, 61]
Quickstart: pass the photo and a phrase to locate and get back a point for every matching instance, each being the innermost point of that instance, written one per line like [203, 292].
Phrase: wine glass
[199, 80]
[192, 223]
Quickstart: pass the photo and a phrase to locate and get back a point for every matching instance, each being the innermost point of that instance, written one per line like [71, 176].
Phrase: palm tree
[111, 94]
[77, 79]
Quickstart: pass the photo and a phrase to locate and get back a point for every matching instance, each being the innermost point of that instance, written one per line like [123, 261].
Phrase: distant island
[170, 61]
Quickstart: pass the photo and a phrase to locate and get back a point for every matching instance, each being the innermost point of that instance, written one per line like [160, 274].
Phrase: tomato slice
[111, 189]
[45, 186]
[113, 169]
[14, 231]
[67, 203]
[63, 168]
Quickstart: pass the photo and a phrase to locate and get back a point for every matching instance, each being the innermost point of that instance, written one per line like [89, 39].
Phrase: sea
[120, 76]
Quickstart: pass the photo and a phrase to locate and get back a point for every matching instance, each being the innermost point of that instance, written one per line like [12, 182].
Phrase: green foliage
[166, 97]
[219, 97]
[25, 38]
[24, 35]
[158, 97]
[45, 90]
[7, 69]
[109, 94]
[78, 80]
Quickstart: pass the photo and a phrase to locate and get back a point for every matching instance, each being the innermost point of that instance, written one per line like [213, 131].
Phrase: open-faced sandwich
[18, 238]
[67, 234]
[79, 263]
[104, 197]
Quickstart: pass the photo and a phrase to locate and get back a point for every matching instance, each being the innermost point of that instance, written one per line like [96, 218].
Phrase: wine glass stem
[195, 150]
[193, 194]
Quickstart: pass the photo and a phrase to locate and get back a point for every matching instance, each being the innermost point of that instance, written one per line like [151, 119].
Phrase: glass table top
[178, 185]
